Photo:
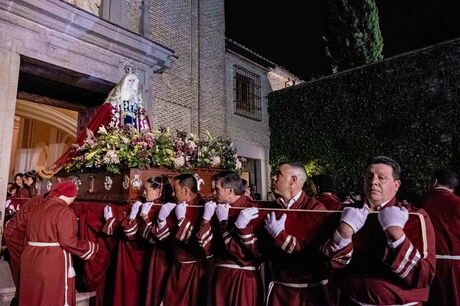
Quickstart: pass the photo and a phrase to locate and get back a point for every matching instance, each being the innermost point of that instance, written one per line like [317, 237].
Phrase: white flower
[102, 130]
[215, 161]
[192, 145]
[179, 161]
[111, 157]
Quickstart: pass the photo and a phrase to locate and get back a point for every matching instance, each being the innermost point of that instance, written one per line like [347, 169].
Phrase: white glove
[273, 226]
[209, 209]
[165, 210]
[245, 216]
[355, 217]
[222, 212]
[135, 210]
[145, 209]
[7, 203]
[181, 210]
[393, 216]
[108, 212]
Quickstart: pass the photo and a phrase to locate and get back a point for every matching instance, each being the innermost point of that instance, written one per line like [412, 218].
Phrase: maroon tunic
[129, 262]
[46, 262]
[15, 236]
[330, 201]
[443, 207]
[158, 261]
[403, 276]
[187, 281]
[236, 279]
[298, 276]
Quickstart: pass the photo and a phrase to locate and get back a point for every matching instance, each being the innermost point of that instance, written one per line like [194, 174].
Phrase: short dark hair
[381, 159]
[445, 177]
[323, 183]
[187, 180]
[233, 181]
[166, 188]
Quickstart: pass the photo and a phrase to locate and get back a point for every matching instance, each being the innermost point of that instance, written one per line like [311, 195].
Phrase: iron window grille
[247, 94]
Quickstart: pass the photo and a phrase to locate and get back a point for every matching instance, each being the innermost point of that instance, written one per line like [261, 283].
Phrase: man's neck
[233, 199]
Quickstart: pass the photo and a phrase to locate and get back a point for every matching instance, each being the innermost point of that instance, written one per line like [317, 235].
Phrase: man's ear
[397, 184]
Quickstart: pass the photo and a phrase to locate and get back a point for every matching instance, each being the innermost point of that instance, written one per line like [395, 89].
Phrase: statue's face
[131, 82]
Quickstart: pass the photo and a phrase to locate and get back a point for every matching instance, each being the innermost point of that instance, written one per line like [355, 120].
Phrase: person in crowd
[323, 187]
[443, 207]
[10, 190]
[187, 282]
[15, 238]
[405, 273]
[247, 190]
[30, 180]
[21, 189]
[297, 276]
[236, 279]
[47, 276]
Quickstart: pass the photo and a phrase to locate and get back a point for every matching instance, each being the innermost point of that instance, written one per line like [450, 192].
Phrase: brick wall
[242, 128]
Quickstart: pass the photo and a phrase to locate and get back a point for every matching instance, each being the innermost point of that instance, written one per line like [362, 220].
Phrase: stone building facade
[60, 58]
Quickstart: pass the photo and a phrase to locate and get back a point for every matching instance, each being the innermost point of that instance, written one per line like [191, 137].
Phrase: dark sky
[291, 36]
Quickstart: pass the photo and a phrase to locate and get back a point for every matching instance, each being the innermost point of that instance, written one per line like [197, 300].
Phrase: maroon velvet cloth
[102, 117]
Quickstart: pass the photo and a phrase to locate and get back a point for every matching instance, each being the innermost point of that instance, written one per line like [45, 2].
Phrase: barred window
[247, 94]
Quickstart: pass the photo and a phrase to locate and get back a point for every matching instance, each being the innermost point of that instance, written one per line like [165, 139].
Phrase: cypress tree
[352, 34]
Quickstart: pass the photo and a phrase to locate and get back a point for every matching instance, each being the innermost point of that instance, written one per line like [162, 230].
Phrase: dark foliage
[406, 107]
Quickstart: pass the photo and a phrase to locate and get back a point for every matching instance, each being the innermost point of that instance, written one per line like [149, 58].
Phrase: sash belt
[43, 244]
[233, 266]
[453, 257]
[364, 304]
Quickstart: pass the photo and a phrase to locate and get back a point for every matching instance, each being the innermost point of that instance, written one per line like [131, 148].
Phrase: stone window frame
[247, 93]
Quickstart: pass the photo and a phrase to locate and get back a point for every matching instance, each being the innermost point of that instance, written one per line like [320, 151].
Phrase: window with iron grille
[247, 94]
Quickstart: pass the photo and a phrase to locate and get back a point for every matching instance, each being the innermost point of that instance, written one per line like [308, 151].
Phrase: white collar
[294, 199]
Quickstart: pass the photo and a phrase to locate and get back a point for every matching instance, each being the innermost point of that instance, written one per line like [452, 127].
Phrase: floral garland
[115, 149]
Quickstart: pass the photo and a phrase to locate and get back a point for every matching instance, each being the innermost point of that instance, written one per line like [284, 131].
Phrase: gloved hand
[209, 209]
[135, 210]
[108, 212]
[245, 216]
[355, 217]
[393, 216]
[145, 209]
[165, 210]
[7, 203]
[222, 212]
[181, 210]
[273, 226]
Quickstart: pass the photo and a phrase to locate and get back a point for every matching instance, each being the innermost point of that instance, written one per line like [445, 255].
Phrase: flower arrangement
[125, 147]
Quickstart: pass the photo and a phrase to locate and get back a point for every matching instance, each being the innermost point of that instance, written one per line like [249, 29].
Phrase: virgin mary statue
[123, 106]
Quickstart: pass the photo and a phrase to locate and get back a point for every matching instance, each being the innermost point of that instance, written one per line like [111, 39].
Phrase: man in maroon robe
[298, 276]
[188, 278]
[236, 279]
[443, 207]
[47, 274]
[405, 273]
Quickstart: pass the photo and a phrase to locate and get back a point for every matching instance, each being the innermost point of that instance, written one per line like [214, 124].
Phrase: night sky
[292, 37]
